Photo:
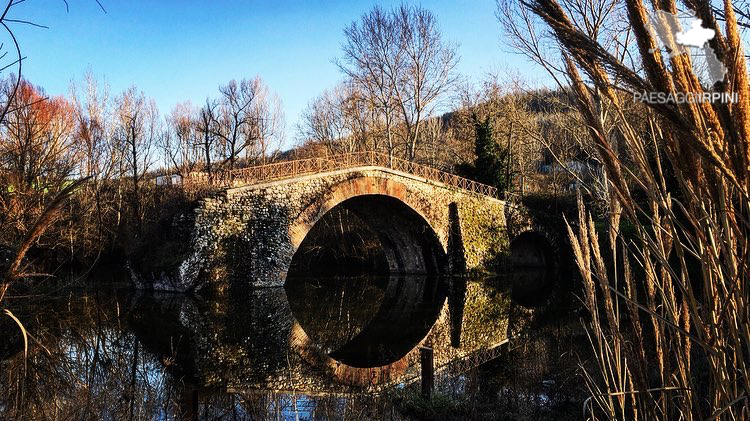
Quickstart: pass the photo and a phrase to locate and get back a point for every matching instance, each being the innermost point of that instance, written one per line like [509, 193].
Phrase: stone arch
[533, 266]
[405, 226]
[531, 249]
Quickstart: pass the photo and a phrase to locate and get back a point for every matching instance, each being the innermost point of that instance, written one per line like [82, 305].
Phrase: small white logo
[665, 27]
[697, 36]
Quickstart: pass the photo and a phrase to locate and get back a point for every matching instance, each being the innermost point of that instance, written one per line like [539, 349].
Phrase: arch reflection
[367, 321]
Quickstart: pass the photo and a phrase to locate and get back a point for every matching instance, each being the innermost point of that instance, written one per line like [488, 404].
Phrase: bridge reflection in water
[327, 335]
[316, 337]
[366, 322]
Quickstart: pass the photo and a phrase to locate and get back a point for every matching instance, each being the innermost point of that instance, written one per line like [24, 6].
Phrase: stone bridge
[417, 220]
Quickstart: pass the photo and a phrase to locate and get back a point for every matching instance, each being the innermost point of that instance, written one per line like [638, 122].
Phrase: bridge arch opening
[532, 262]
[531, 249]
[369, 234]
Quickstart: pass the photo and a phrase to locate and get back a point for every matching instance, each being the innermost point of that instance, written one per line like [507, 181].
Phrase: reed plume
[669, 322]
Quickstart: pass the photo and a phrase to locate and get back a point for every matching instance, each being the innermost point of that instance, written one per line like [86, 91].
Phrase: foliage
[115, 143]
[491, 166]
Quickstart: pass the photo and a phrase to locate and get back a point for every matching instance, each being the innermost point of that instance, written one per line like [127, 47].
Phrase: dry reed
[669, 305]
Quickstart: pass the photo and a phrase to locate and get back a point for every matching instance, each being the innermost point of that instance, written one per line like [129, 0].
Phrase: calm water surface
[319, 348]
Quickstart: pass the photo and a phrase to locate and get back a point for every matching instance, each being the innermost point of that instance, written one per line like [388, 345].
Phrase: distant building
[586, 170]
[169, 180]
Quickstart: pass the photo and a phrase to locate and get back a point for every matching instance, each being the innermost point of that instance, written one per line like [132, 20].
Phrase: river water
[318, 348]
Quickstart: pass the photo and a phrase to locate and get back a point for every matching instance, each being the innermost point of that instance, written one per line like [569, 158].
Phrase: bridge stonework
[250, 234]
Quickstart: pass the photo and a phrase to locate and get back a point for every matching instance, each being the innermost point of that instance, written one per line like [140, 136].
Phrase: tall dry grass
[669, 304]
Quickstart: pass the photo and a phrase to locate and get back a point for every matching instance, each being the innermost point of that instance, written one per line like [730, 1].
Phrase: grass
[439, 406]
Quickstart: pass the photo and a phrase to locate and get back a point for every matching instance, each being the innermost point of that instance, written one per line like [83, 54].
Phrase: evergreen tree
[491, 164]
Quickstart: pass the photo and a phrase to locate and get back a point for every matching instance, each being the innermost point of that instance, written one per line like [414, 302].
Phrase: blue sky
[182, 50]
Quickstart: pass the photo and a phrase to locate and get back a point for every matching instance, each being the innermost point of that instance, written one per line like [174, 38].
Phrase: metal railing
[301, 167]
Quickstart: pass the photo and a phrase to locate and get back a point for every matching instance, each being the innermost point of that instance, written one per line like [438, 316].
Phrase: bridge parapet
[296, 168]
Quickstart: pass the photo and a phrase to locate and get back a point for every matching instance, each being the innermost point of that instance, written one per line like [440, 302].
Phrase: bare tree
[234, 120]
[268, 121]
[434, 140]
[93, 128]
[247, 118]
[324, 120]
[400, 60]
[204, 125]
[373, 60]
[101, 160]
[427, 71]
[136, 133]
[342, 119]
[179, 140]
[362, 117]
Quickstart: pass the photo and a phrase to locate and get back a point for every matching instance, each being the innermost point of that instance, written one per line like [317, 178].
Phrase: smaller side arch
[531, 249]
[533, 263]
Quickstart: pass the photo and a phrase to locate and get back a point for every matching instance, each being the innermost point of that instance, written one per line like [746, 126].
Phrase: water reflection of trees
[83, 363]
[537, 375]
[135, 356]
[96, 357]
[332, 311]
